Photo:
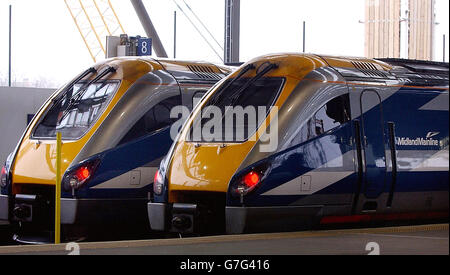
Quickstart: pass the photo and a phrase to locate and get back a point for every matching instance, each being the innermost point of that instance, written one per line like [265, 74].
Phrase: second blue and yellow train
[340, 139]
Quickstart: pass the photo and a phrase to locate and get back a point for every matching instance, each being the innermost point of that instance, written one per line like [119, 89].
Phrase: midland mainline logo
[420, 141]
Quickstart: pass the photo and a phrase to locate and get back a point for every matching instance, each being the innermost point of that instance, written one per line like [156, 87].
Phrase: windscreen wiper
[218, 95]
[239, 76]
[88, 72]
[258, 76]
[82, 91]
[235, 96]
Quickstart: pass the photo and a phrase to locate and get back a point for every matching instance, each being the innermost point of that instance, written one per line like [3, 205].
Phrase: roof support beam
[232, 30]
[149, 28]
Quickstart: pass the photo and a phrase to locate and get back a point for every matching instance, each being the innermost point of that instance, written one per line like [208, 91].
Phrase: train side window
[331, 115]
[29, 118]
[157, 118]
[197, 98]
[324, 122]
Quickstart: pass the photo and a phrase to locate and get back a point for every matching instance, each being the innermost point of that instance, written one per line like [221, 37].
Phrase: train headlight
[4, 177]
[79, 175]
[158, 183]
[249, 180]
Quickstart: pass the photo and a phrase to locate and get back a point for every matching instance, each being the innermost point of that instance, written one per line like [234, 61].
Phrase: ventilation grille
[368, 69]
[204, 72]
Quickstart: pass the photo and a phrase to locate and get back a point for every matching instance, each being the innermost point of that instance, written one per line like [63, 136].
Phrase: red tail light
[3, 177]
[83, 173]
[247, 183]
[251, 179]
[155, 179]
[76, 178]
[158, 183]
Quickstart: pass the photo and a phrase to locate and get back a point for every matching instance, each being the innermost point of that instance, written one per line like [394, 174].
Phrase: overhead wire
[204, 26]
[197, 29]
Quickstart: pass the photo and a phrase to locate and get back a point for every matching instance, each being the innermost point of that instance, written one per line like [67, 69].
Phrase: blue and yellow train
[338, 140]
[115, 124]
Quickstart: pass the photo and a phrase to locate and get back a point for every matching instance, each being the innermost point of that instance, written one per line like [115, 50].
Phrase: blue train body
[358, 139]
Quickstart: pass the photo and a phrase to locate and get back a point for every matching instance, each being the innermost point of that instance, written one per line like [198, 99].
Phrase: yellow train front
[291, 140]
[115, 123]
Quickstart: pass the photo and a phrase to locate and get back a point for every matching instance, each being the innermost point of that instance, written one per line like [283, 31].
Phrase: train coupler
[185, 218]
[177, 217]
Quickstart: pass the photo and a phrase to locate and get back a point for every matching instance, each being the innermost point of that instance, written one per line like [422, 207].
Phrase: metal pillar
[232, 30]
[148, 27]
[175, 34]
[304, 36]
[443, 56]
[404, 29]
[10, 28]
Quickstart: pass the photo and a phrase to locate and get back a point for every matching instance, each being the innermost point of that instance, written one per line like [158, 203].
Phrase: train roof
[185, 71]
[182, 71]
[410, 72]
[419, 66]
[419, 72]
[359, 69]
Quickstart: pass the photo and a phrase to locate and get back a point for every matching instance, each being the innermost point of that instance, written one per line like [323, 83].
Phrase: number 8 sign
[144, 47]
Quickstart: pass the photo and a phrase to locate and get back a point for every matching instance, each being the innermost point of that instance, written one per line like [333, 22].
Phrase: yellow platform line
[226, 238]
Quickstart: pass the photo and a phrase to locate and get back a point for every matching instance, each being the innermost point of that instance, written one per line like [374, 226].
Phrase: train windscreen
[76, 111]
[235, 111]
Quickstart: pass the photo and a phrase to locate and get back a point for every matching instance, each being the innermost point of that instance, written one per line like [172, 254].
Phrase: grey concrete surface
[410, 240]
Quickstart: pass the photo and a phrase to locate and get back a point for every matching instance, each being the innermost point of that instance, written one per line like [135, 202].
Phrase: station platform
[403, 240]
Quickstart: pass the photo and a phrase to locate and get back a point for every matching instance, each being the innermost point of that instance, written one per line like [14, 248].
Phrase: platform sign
[144, 47]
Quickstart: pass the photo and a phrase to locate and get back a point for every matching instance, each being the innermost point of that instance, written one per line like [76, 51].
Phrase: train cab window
[241, 94]
[76, 111]
[157, 118]
[333, 114]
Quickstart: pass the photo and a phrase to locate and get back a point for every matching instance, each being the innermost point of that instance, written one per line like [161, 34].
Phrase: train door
[373, 144]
